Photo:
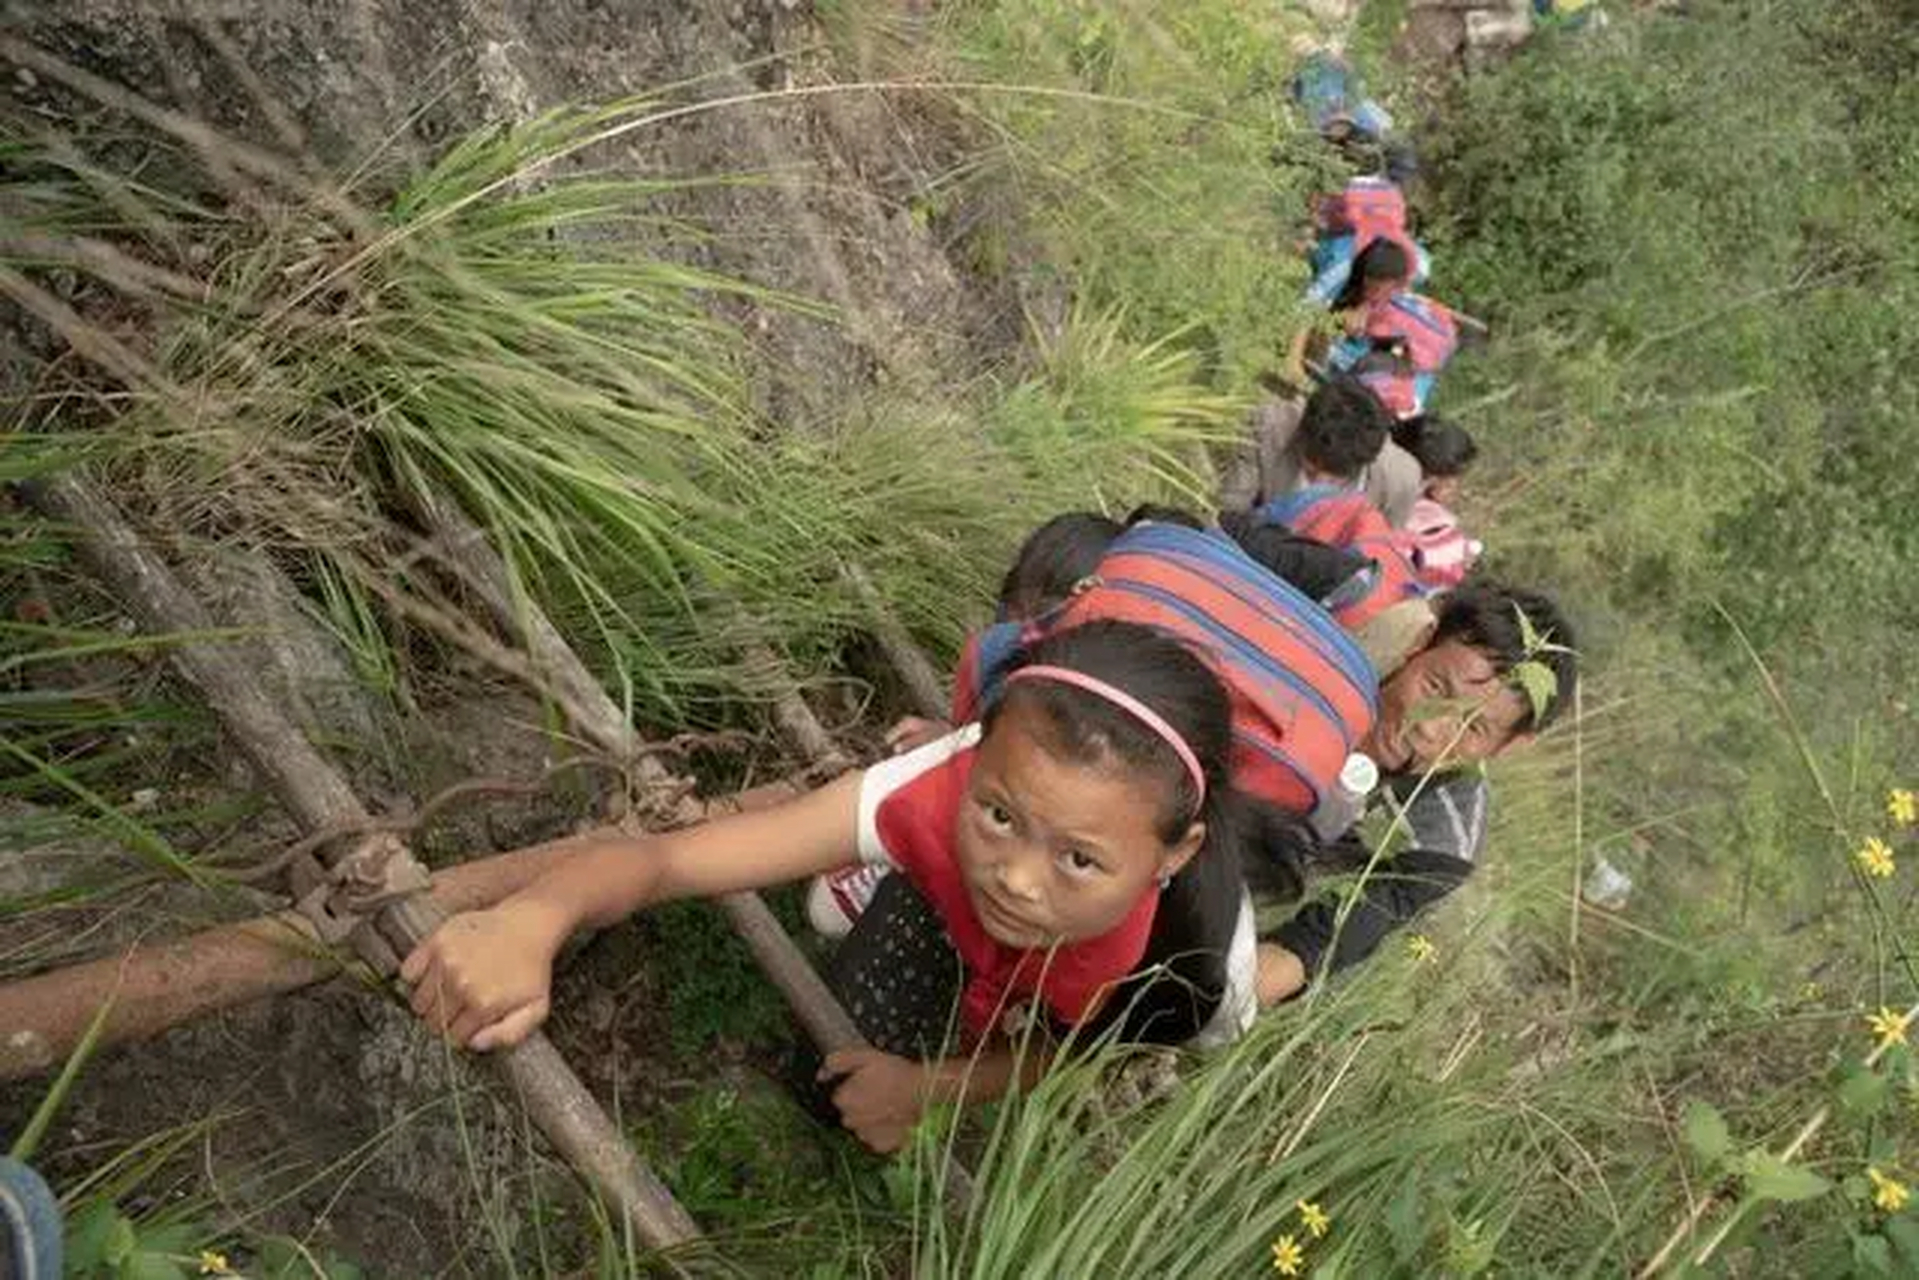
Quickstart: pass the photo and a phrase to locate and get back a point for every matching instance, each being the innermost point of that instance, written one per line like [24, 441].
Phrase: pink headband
[1130, 705]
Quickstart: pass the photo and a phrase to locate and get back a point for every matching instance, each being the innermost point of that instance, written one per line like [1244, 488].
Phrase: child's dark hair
[1343, 428]
[1157, 671]
[1052, 560]
[1385, 259]
[1442, 448]
[1316, 568]
[1487, 615]
[1182, 977]
[1160, 513]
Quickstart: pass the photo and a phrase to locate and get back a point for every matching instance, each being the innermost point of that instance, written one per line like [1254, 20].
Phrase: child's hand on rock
[880, 1095]
[485, 977]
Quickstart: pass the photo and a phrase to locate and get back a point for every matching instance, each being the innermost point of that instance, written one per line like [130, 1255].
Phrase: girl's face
[1053, 850]
[1443, 489]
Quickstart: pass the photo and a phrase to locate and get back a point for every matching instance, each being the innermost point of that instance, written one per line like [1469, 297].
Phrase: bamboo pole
[595, 717]
[826, 1022]
[919, 676]
[158, 985]
[319, 798]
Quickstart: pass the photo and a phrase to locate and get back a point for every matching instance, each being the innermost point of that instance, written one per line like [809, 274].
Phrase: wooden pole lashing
[468, 554]
[318, 797]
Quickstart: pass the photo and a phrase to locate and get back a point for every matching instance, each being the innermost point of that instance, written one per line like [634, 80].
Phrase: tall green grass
[529, 336]
[1689, 233]
[1692, 237]
[301, 367]
[1142, 157]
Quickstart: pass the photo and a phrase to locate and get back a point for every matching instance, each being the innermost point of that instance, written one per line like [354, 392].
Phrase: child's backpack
[1424, 331]
[1344, 517]
[1367, 208]
[1407, 341]
[1439, 549]
[1303, 693]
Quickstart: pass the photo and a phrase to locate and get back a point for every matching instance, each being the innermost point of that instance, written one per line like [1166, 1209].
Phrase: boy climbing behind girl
[1456, 702]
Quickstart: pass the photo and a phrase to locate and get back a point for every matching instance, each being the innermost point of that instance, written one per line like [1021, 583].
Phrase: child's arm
[484, 978]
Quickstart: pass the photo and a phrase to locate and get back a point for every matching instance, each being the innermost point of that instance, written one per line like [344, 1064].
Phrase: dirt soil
[345, 1125]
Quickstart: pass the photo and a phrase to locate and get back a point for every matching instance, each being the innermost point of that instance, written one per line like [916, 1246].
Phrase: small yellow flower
[1421, 948]
[1902, 806]
[1811, 991]
[1314, 1217]
[1875, 858]
[214, 1264]
[1288, 1257]
[1888, 1193]
[1889, 1027]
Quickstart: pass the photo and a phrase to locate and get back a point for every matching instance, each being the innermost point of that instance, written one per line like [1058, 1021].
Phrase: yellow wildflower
[1888, 1193]
[1811, 991]
[214, 1264]
[1314, 1217]
[1288, 1257]
[1902, 806]
[1888, 1026]
[1421, 948]
[1875, 858]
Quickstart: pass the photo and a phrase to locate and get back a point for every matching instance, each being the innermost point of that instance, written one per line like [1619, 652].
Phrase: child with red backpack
[1032, 848]
[1339, 436]
[1397, 346]
[1301, 695]
[1450, 698]
[1361, 234]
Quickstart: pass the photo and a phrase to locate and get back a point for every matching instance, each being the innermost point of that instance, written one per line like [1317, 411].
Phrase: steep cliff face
[372, 88]
[367, 90]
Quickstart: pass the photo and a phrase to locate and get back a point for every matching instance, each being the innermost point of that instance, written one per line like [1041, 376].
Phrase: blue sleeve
[1346, 352]
[1332, 261]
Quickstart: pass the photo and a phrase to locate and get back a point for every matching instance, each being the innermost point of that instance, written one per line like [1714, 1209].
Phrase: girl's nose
[1018, 877]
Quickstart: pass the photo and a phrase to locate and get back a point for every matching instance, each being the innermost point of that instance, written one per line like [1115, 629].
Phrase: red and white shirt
[910, 810]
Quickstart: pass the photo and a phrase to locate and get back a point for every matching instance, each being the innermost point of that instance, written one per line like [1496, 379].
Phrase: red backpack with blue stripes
[1422, 329]
[1302, 692]
[1367, 209]
[1342, 517]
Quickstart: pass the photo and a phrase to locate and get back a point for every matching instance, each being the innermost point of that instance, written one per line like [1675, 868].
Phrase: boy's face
[1447, 705]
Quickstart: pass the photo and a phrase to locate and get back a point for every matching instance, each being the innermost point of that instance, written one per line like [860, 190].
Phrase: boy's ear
[1182, 853]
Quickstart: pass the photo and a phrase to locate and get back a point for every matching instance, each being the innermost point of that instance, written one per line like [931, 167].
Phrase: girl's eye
[1078, 862]
[998, 815]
